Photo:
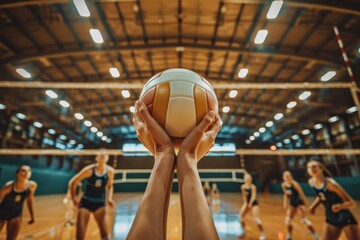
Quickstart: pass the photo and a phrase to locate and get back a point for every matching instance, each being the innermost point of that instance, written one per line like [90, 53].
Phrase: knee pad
[306, 221]
[257, 221]
[287, 221]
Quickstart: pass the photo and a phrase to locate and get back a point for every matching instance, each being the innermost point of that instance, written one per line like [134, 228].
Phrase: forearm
[110, 193]
[197, 219]
[347, 205]
[30, 204]
[315, 204]
[149, 220]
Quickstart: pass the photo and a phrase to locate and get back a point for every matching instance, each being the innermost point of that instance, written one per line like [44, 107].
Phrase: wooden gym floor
[50, 215]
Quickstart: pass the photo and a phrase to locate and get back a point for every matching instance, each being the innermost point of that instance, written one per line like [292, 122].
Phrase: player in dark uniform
[12, 198]
[250, 203]
[294, 199]
[336, 202]
[98, 191]
[207, 192]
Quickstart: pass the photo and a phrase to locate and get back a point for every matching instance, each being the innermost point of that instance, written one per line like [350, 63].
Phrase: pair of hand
[156, 140]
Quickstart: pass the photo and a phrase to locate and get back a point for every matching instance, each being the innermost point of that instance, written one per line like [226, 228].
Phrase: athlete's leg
[13, 228]
[102, 221]
[331, 232]
[81, 223]
[290, 213]
[352, 232]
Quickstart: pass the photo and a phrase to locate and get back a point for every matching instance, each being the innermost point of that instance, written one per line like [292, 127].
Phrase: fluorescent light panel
[278, 116]
[82, 8]
[79, 116]
[291, 104]
[51, 94]
[2, 106]
[256, 134]
[226, 109]
[318, 126]
[21, 115]
[327, 76]
[38, 124]
[96, 35]
[99, 134]
[243, 72]
[351, 110]
[333, 119]
[252, 138]
[305, 132]
[51, 131]
[274, 9]
[93, 129]
[125, 93]
[64, 103]
[87, 123]
[22, 72]
[269, 124]
[262, 130]
[261, 36]
[304, 95]
[233, 93]
[114, 72]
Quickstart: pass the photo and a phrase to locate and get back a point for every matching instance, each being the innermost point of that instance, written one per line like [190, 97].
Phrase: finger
[216, 127]
[149, 121]
[206, 121]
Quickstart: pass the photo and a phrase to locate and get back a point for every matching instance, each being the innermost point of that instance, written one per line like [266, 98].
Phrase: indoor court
[259, 97]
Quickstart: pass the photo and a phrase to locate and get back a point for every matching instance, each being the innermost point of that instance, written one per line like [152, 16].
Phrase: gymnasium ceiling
[215, 38]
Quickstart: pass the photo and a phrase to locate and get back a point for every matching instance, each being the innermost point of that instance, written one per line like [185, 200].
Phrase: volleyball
[178, 99]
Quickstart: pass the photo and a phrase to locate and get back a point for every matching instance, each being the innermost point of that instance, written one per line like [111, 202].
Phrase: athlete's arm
[243, 194]
[83, 174]
[30, 201]
[5, 190]
[316, 202]
[286, 198]
[300, 191]
[110, 187]
[348, 203]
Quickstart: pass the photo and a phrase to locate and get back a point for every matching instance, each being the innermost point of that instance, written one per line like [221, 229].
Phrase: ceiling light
[318, 126]
[2, 106]
[279, 144]
[23, 73]
[82, 8]
[233, 93]
[333, 119]
[38, 124]
[51, 94]
[108, 140]
[21, 115]
[305, 132]
[72, 142]
[104, 138]
[62, 137]
[274, 9]
[93, 129]
[351, 110]
[79, 116]
[80, 145]
[132, 109]
[286, 141]
[96, 35]
[256, 134]
[88, 123]
[252, 138]
[99, 134]
[125, 93]
[64, 103]
[327, 76]
[248, 141]
[261, 36]
[226, 109]
[291, 104]
[304, 95]
[278, 116]
[51, 131]
[262, 129]
[295, 137]
[243, 72]
[269, 123]
[114, 72]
